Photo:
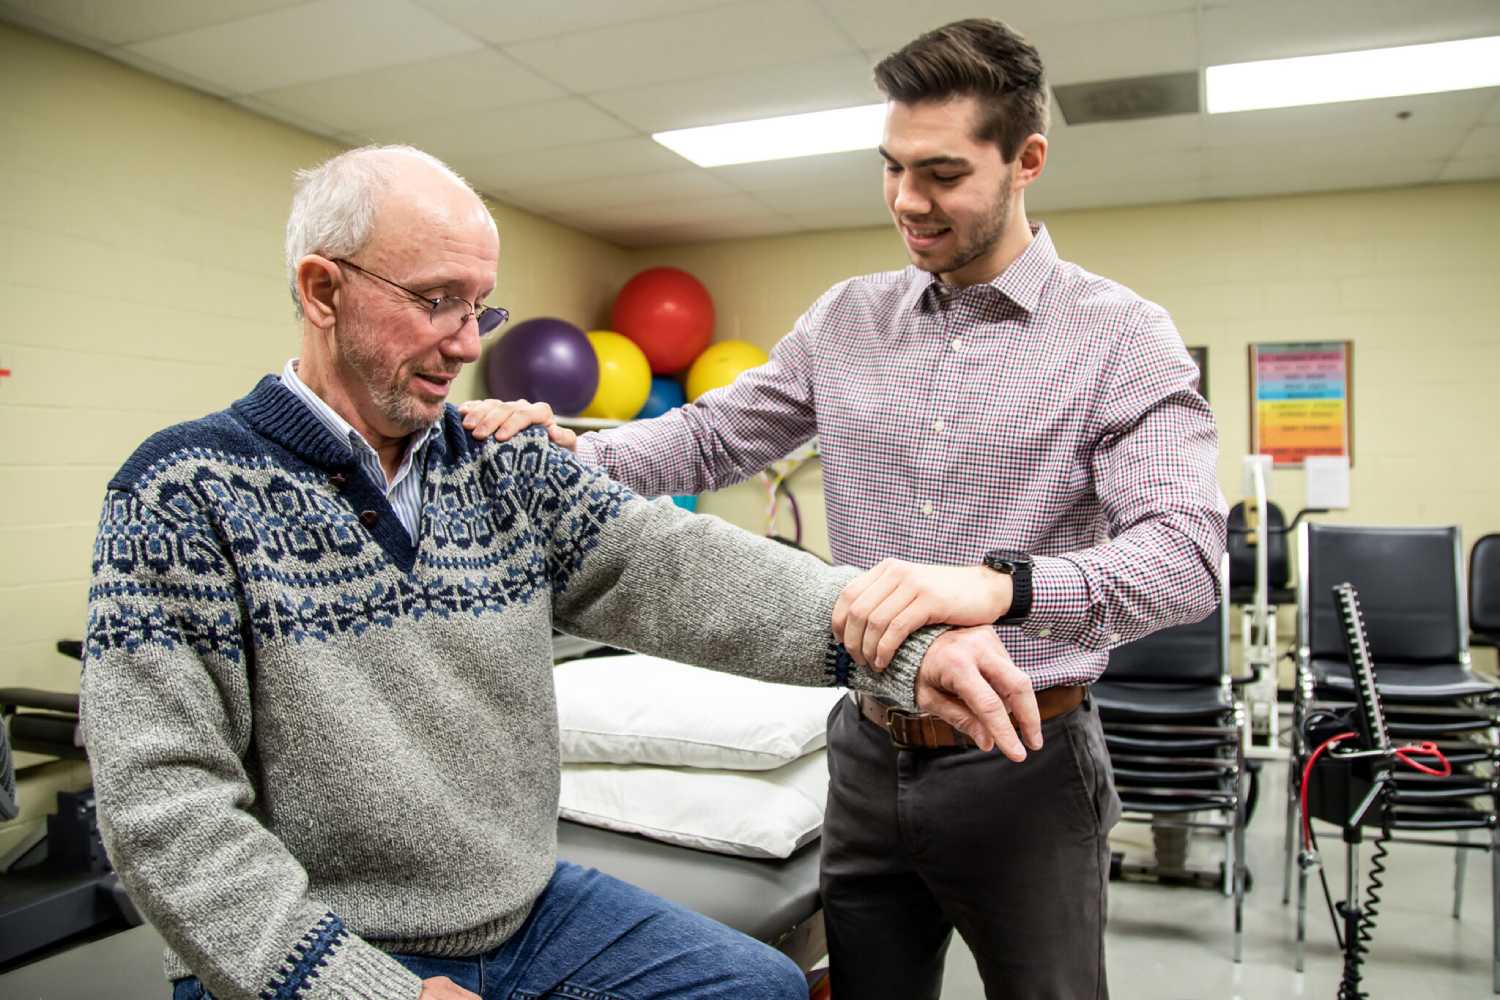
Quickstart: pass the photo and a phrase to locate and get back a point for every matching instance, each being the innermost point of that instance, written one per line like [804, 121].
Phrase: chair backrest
[1410, 583]
[1484, 586]
[1242, 553]
[1179, 654]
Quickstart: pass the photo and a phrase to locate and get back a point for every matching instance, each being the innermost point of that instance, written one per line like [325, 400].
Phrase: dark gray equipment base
[775, 901]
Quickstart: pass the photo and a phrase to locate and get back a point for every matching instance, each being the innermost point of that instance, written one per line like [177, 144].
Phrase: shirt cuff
[586, 450]
[1060, 599]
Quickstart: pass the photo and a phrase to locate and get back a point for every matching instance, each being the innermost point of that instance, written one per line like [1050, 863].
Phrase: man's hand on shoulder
[492, 417]
[969, 681]
[443, 988]
[884, 605]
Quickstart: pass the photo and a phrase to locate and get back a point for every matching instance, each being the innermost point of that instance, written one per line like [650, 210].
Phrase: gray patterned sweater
[315, 742]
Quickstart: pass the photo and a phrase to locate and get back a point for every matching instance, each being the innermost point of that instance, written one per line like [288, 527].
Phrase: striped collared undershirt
[404, 490]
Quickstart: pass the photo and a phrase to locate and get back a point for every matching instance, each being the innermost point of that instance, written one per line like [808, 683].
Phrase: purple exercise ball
[547, 360]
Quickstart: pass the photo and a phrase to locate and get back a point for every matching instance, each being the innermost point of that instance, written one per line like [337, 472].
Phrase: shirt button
[369, 518]
[1114, 637]
[957, 343]
[937, 425]
[927, 508]
[1044, 632]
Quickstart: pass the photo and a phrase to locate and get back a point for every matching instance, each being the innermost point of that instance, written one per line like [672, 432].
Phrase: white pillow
[637, 709]
[755, 814]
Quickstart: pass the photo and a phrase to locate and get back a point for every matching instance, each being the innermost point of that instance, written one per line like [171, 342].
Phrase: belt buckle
[896, 723]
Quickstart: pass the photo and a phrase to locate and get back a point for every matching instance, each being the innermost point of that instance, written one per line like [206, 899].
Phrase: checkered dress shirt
[1049, 411]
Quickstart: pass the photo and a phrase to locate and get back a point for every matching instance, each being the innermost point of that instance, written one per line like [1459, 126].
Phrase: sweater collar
[276, 413]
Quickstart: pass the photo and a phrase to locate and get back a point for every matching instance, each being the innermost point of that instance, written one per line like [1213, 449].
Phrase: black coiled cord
[1354, 956]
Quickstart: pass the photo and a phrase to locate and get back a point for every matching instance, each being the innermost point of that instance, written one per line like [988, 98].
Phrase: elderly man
[317, 694]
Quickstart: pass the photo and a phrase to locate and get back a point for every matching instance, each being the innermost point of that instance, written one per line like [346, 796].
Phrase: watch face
[1005, 562]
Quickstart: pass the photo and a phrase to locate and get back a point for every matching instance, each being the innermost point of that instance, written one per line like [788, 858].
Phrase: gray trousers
[1015, 856]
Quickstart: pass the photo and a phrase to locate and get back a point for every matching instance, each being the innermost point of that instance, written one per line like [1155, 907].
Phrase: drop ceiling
[549, 104]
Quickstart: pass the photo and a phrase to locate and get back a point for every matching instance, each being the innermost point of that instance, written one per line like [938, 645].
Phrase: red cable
[1307, 773]
[1426, 748]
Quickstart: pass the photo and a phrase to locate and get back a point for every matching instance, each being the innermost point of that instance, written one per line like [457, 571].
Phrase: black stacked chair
[1411, 587]
[1175, 736]
[1484, 592]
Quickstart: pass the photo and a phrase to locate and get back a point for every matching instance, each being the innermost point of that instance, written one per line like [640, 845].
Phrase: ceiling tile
[858, 169]
[847, 217]
[881, 26]
[447, 85]
[1459, 111]
[147, 65]
[292, 118]
[120, 22]
[492, 172]
[1149, 192]
[1335, 170]
[692, 232]
[838, 81]
[702, 43]
[631, 189]
[800, 202]
[507, 131]
[1477, 169]
[1277, 29]
[1070, 142]
[677, 211]
[1118, 47]
[1483, 142]
[292, 45]
[518, 20]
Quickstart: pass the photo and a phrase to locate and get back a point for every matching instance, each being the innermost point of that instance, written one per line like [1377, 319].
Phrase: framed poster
[1301, 397]
[1200, 358]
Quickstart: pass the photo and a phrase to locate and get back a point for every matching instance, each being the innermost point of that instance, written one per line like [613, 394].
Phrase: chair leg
[1495, 907]
[1301, 916]
[1289, 849]
[1460, 866]
[1239, 876]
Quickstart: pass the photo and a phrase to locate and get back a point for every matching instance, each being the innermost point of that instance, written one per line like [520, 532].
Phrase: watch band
[1017, 566]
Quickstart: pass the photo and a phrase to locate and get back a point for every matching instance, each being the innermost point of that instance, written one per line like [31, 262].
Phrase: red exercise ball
[669, 314]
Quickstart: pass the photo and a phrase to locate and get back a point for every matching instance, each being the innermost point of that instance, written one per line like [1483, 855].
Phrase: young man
[1033, 426]
[318, 694]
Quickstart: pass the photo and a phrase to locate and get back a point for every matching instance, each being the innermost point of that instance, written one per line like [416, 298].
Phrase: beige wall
[1408, 274]
[141, 284]
[140, 232]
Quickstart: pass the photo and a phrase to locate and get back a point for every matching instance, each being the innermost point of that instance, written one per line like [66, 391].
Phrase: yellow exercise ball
[624, 377]
[722, 363]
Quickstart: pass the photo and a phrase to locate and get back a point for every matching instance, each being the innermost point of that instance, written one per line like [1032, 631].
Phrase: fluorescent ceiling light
[778, 138]
[1354, 76]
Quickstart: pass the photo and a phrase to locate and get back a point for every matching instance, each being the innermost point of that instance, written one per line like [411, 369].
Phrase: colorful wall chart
[1300, 400]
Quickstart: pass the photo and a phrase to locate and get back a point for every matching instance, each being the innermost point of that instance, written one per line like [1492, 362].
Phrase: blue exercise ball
[547, 360]
[666, 394]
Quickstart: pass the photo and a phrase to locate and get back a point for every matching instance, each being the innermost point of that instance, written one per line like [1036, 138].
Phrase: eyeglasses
[449, 313]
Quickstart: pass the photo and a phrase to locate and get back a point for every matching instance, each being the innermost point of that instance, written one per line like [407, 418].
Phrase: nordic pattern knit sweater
[315, 742]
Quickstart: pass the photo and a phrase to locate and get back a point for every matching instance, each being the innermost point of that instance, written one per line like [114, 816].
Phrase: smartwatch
[1017, 566]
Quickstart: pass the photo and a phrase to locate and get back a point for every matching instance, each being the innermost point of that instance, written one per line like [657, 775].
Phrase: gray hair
[333, 208]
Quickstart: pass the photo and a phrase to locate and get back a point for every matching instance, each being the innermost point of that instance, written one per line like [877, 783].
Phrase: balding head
[336, 204]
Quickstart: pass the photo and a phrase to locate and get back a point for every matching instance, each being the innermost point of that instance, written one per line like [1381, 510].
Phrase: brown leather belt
[924, 731]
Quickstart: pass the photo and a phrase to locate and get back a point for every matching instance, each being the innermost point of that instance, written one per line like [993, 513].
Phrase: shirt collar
[1021, 282]
[341, 428]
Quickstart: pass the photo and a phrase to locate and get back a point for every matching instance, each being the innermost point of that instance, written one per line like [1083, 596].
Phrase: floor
[1166, 943]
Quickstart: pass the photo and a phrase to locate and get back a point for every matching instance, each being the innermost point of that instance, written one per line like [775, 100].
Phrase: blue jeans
[593, 937]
